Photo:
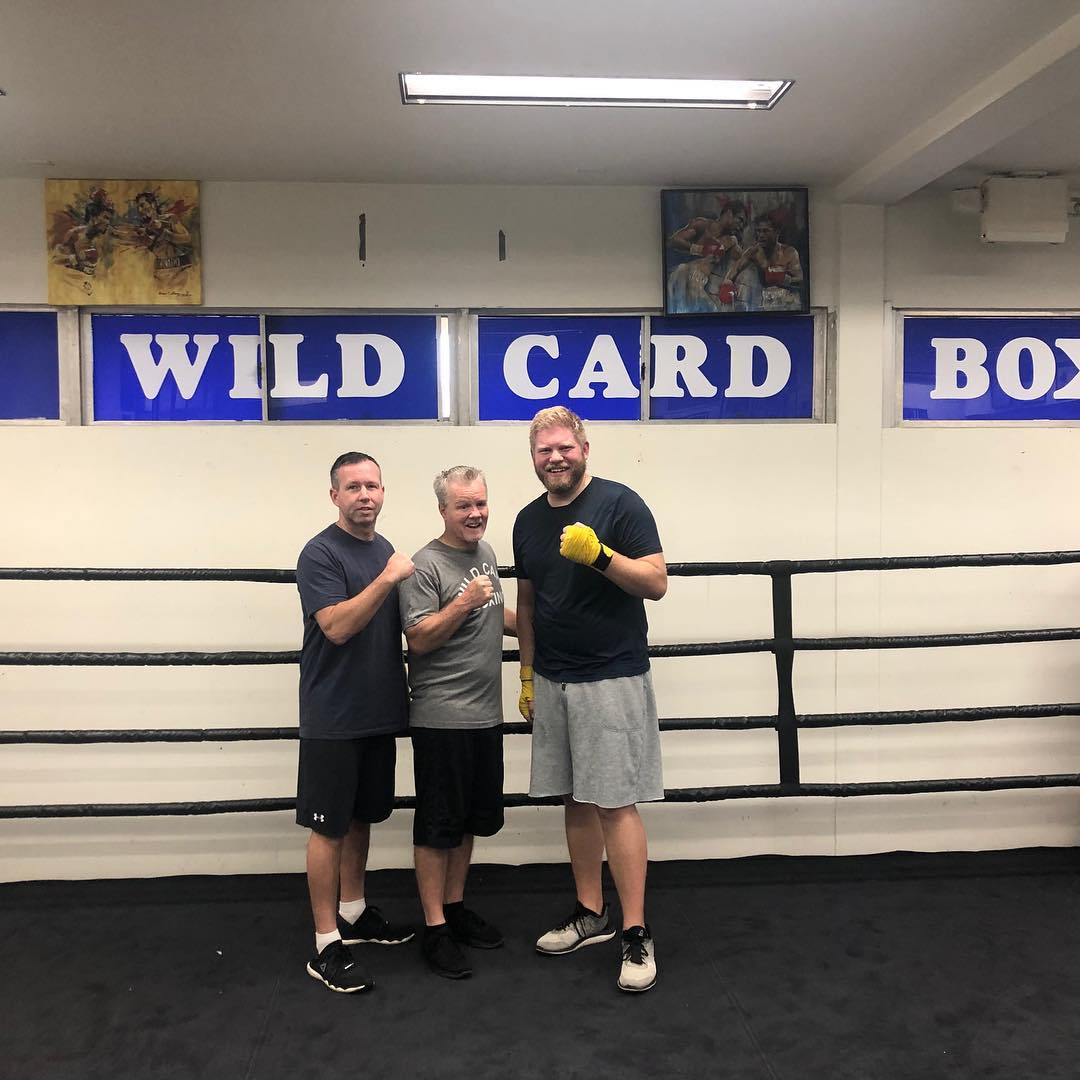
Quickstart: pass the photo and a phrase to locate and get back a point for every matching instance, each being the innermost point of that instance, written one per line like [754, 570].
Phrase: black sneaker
[443, 954]
[470, 929]
[335, 968]
[372, 928]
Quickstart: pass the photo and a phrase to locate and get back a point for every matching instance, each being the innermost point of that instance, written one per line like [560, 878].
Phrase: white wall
[251, 495]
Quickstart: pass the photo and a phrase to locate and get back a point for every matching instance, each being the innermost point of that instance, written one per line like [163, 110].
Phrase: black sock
[453, 909]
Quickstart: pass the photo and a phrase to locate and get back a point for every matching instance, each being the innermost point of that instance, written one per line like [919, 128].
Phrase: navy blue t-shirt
[586, 627]
[356, 689]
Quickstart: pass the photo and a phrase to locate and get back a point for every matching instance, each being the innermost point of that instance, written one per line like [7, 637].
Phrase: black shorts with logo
[459, 784]
[342, 780]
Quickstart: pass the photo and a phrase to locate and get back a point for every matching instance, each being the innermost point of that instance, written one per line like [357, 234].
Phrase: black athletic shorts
[459, 784]
[342, 780]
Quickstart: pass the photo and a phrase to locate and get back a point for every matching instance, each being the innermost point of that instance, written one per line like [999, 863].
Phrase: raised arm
[645, 577]
[343, 621]
[436, 629]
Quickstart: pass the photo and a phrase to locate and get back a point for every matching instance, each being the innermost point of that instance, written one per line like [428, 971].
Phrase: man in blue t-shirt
[587, 555]
[353, 704]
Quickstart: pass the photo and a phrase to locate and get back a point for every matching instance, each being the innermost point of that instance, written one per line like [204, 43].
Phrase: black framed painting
[736, 250]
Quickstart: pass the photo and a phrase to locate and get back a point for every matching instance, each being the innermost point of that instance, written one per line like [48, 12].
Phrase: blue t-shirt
[356, 689]
[586, 627]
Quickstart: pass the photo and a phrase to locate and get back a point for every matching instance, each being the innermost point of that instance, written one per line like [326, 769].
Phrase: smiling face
[560, 461]
[465, 515]
[359, 498]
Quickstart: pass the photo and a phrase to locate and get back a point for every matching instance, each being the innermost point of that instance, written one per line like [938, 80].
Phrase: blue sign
[758, 367]
[176, 367]
[1001, 368]
[29, 366]
[590, 365]
[353, 367]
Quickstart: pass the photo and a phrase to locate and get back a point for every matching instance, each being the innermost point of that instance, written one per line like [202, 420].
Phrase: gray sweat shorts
[597, 741]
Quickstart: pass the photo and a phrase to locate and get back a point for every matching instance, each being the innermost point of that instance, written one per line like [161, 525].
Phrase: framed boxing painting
[123, 242]
[736, 250]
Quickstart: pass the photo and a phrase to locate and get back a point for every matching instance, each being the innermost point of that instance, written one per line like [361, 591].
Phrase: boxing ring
[787, 722]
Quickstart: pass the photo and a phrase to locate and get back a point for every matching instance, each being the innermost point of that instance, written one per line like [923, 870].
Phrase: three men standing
[588, 554]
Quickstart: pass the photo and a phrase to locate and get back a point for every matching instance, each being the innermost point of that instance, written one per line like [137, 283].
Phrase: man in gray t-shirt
[454, 619]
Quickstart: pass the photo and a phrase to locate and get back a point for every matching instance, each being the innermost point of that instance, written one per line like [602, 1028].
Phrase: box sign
[591, 365]
[1001, 368]
[29, 366]
[209, 367]
[353, 367]
[756, 368]
[700, 369]
[385, 367]
[177, 367]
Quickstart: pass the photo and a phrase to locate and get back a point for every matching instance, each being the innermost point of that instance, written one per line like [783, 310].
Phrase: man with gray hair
[454, 619]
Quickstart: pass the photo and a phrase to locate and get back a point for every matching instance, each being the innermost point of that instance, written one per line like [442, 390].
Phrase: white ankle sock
[322, 940]
[351, 910]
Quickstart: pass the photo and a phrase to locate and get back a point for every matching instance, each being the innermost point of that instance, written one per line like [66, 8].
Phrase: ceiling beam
[1042, 79]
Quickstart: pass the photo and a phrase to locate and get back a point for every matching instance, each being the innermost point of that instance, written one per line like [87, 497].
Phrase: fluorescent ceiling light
[419, 89]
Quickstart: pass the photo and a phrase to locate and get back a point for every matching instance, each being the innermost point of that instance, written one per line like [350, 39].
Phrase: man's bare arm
[343, 621]
[645, 577]
[435, 630]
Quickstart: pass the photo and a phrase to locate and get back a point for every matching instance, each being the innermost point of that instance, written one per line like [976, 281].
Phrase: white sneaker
[582, 927]
[638, 960]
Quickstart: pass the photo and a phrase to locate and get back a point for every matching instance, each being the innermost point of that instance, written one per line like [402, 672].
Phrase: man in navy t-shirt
[353, 704]
[587, 555]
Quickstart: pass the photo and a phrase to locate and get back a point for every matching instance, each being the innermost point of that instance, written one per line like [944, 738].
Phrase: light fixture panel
[430, 89]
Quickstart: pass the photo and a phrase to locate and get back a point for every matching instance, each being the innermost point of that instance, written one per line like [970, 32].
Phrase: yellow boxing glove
[526, 698]
[580, 544]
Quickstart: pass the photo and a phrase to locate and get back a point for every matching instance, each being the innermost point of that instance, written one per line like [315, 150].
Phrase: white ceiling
[889, 95]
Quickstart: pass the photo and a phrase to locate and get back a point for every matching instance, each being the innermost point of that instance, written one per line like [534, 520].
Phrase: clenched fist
[478, 592]
[398, 567]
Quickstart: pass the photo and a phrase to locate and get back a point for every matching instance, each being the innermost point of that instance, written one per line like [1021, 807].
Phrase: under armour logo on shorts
[318, 817]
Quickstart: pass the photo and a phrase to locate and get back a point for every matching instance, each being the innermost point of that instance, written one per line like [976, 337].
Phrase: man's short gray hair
[459, 474]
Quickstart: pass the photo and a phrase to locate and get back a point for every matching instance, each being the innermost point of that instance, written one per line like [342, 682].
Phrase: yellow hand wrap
[581, 545]
[526, 698]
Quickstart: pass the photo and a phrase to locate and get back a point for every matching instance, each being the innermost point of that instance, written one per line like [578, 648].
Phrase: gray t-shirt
[459, 684]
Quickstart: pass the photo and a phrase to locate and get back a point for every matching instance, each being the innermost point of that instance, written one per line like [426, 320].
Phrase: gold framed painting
[129, 242]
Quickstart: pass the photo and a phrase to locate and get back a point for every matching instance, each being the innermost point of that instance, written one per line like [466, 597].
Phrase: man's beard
[560, 483]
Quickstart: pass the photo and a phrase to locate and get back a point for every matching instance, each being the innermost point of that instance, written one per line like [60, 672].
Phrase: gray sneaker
[583, 927]
[638, 960]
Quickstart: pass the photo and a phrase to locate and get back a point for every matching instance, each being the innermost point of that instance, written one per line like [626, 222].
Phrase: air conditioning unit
[1024, 210]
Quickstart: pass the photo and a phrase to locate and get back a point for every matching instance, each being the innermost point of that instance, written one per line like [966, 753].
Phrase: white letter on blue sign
[676, 355]
[245, 351]
[1070, 346]
[287, 382]
[1043, 368]
[604, 364]
[353, 376]
[954, 357]
[516, 365]
[777, 366]
[174, 357]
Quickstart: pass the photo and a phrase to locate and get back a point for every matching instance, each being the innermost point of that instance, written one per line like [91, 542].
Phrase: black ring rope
[515, 799]
[764, 722]
[705, 648]
[782, 645]
[701, 569]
